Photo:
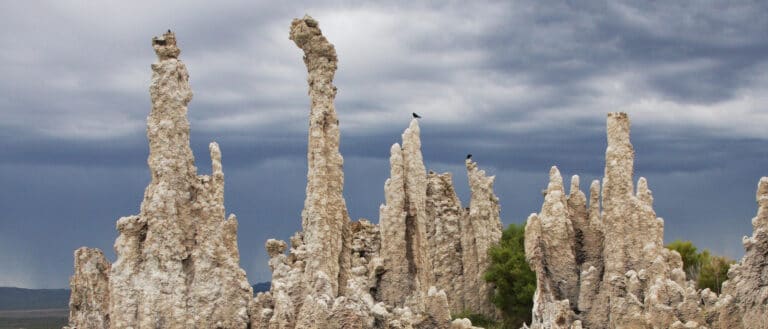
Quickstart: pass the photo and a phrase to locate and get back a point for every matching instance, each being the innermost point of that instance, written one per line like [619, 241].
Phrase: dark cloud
[688, 53]
[522, 86]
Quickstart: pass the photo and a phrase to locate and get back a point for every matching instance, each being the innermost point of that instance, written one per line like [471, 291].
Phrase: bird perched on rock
[416, 116]
[469, 156]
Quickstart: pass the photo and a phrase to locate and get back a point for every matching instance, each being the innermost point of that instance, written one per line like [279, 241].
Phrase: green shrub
[692, 261]
[706, 270]
[515, 282]
[713, 273]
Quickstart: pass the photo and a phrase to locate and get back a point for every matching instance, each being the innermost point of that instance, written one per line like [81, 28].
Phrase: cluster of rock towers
[600, 261]
[425, 258]
[607, 267]
[178, 264]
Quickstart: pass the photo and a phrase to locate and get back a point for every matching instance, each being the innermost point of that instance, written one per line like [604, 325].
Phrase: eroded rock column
[89, 299]
[325, 213]
[177, 261]
[607, 268]
[394, 277]
[157, 241]
[744, 301]
[483, 226]
[404, 224]
[446, 245]
[550, 248]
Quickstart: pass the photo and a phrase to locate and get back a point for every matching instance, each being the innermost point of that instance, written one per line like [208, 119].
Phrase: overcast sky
[522, 85]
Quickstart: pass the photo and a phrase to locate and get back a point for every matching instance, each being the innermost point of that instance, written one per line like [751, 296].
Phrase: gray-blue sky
[522, 85]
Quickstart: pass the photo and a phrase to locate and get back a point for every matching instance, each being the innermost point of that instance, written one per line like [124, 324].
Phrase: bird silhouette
[416, 116]
[469, 156]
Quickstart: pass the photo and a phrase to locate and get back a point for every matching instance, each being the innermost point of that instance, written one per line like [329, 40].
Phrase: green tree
[706, 270]
[509, 272]
[714, 272]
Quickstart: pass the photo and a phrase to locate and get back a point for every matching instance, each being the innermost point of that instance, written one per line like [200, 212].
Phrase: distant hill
[261, 287]
[33, 299]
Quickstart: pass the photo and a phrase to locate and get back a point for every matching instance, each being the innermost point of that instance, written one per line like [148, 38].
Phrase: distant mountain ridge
[37, 299]
[33, 299]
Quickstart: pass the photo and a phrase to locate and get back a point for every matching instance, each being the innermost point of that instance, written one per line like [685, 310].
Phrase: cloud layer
[522, 85]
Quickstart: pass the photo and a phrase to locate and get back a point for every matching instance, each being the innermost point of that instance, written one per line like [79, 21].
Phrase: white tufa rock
[89, 298]
[608, 268]
[344, 274]
[177, 261]
[600, 261]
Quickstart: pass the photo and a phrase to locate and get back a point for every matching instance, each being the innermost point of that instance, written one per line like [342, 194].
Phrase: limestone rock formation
[89, 299]
[444, 245]
[446, 230]
[403, 223]
[325, 211]
[482, 229]
[177, 261]
[600, 260]
[744, 299]
[178, 264]
[460, 238]
[401, 273]
[608, 268]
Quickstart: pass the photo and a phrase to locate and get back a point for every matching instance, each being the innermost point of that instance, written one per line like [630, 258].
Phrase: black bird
[469, 156]
[169, 30]
[416, 116]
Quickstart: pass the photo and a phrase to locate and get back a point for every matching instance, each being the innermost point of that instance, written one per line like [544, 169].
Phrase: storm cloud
[522, 85]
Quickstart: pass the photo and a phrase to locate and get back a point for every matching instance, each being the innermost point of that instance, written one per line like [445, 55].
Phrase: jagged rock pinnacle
[89, 298]
[403, 222]
[482, 229]
[177, 261]
[608, 268]
[325, 213]
[344, 274]
[619, 159]
[744, 299]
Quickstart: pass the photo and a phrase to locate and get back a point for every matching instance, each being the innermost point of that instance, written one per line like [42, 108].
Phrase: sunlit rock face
[177, 261]
[406, 272]
[606, 267]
